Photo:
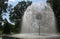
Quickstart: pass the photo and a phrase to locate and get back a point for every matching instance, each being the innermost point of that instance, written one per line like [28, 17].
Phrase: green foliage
[19, 10]
[3, 7]
[6, 28]
[56, 8]
[16, 14]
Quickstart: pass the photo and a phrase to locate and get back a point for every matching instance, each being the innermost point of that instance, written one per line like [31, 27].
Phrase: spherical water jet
[38, 18]
[38, 23]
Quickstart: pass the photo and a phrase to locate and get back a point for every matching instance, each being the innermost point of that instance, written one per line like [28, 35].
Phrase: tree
[6, 29]
[18, 12]
[3, 7]
[56, 8]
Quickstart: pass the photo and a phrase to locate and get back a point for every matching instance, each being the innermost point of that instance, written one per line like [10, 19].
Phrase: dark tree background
[3, 7]
[55, 4]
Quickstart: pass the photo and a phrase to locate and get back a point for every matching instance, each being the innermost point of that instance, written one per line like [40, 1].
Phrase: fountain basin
[35, 36]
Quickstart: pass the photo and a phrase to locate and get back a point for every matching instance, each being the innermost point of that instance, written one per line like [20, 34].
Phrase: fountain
[38, 23]
[39, 18]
